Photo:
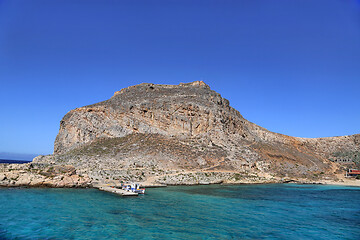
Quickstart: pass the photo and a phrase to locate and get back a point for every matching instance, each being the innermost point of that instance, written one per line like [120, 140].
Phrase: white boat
[133, 187]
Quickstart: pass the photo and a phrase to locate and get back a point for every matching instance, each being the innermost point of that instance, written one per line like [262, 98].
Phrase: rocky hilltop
[187, 134]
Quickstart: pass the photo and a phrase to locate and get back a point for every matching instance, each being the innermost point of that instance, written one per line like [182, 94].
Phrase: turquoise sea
[275, 211]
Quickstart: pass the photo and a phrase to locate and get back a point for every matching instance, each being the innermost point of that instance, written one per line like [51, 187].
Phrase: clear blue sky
[290, 66]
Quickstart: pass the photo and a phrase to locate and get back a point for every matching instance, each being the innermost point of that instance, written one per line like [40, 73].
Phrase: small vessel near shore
[133, 187]
[129, 189]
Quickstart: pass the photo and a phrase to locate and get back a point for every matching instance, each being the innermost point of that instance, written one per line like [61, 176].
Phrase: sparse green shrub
[237, 176]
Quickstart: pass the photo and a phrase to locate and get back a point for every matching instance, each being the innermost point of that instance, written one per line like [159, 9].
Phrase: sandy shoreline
[345, 182]
[349, 183]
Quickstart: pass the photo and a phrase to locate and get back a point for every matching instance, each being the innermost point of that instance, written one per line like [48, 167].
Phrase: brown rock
[152, 130]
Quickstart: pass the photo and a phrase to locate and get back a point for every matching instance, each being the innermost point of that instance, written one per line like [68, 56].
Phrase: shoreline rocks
[50, 176]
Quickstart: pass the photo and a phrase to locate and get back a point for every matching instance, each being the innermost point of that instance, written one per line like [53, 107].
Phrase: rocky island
[178, 134]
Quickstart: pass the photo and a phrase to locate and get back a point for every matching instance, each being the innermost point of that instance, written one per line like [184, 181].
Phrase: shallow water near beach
[274, 211]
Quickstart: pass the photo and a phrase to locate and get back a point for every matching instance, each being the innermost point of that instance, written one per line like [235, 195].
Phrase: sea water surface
[14, 161]
[275, 211]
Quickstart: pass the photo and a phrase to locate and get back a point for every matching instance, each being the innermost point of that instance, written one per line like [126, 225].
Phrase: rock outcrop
[186, 134]
[41, 175]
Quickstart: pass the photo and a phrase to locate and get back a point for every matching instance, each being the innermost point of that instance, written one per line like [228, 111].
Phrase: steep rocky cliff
[186, 134]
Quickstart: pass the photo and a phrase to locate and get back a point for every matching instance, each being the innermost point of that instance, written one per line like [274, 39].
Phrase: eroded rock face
[149, 130]
[185, 110]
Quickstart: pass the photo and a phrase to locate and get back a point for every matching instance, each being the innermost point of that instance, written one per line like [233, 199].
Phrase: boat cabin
[133, 187]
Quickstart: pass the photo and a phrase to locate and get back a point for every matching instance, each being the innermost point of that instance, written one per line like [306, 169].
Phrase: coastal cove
[180, 120]
[271, 211]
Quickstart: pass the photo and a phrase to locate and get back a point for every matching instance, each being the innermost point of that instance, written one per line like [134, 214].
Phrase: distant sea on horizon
[273, 211]
[14, 161]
